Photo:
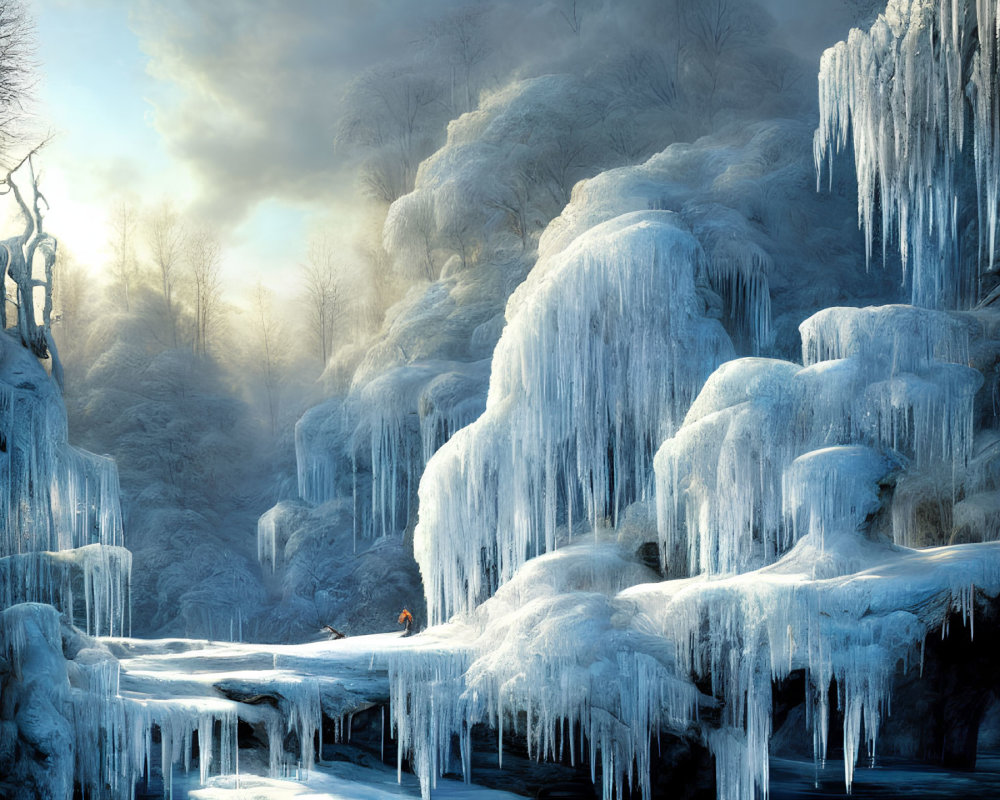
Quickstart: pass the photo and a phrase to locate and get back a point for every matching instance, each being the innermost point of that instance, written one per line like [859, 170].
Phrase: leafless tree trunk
[323, 295]
[205, 260]
[17, 259]
[16, 57]
[269, 339]
[125, 266]
[390, 114]
[463, 36]
[165, 236]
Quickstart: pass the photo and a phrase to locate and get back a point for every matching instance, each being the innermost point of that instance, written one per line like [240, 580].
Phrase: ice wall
[545, 659]
[606, 344]
[60, 516]
[578, 398]
[916, 97]
[76, 719]
[782, 476]
[90, 584]
[585, 655]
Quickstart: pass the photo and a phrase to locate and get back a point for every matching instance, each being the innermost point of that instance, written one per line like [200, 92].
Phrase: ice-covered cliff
[61, 537]
[789, 493]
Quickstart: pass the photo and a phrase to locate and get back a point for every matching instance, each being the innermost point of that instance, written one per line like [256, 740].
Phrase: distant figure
[334, 633]
[406, 618]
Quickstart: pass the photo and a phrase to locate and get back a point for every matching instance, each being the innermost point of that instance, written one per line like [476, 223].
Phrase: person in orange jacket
[406, 618]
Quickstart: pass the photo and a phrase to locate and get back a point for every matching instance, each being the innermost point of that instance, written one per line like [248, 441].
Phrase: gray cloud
[251, 95]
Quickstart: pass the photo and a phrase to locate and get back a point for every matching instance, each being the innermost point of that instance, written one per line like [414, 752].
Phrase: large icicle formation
[790, 479]
[60, 518]
[606, 345]
[578, 398]
[772, 458]
[919, 96]
[887, 378]
[581, 669]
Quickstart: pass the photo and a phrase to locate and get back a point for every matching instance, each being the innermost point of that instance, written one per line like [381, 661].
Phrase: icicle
[563, 396]
[902, 92]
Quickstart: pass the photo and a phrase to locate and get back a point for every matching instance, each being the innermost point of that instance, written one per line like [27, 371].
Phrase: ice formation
[887, 379]
[605, 346]
[917, 97]
[92, 579]
[779, 487]
[597, 668]
[546, 644]
[372, 445]
[788, 479]
[61, 529]
[96, 717]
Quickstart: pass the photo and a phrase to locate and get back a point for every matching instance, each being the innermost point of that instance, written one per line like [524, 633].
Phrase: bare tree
[392, 116]
[16, 66]
[323, 294]
[204, 263]
[571, 13]
[375, 266]
[269, 351]
[69, 293]
[715, 29]
[166, 240]
[17, 259]
[124, 263]
[463, 36]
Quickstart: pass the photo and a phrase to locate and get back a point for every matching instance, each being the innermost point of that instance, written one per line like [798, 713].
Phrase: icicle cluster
[918, 96]
[53, 497]
[602, 715]
[889, 382]
[373, 445]
[543, 659]
[61, 533]
[320, 437]
[93, 580]
[580, 672]
[832, 490]
[604, 349]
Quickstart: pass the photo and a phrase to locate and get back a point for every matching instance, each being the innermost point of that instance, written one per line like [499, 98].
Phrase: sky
[149, 102]
[228, 110]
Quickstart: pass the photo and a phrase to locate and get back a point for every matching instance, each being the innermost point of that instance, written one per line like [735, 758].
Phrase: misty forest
[480, 400]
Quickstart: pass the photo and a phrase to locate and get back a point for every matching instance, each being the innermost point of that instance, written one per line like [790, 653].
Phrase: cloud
[249, 97]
